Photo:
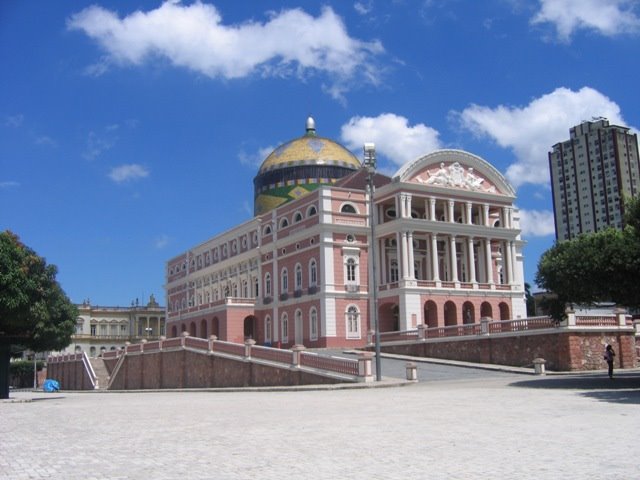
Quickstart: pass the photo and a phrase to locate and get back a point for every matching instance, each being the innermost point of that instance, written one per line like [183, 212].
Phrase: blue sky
[131, 131]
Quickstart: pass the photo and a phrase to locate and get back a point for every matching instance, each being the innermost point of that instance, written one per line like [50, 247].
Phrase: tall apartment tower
[591, 174]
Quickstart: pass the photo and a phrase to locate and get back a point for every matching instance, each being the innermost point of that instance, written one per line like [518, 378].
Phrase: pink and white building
[448, 251]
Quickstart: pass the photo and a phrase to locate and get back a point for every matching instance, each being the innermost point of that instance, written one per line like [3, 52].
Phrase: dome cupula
[298, 167]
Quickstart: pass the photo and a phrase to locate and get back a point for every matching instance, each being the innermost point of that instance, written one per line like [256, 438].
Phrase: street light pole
[370, 165]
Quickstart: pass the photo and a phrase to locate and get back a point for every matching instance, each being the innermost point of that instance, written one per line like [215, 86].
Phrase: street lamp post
[370, 165]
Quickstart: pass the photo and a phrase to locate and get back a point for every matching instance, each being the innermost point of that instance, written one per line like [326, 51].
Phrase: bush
[21, 373]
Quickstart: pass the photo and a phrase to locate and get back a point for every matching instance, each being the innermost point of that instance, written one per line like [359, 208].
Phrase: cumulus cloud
[537, 223]
[290, 42]
[126, 173]
[395, 139]
[532, 130]
[606, 17]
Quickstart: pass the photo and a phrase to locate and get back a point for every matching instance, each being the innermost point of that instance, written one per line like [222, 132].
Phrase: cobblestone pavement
[500, 426]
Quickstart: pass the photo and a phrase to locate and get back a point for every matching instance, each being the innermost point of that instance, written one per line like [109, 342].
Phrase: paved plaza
[472, 425]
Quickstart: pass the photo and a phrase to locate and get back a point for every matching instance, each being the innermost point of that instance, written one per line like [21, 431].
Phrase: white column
[485, 212]
[505, 217]
[405, 257]
[432, 209]
[488, 260]
[434, 257]
[407, 208]
[411, 255]
[469, 213]
[507, 262]
[471, 256]
[453, 258]
[451, 215]
[514, 262]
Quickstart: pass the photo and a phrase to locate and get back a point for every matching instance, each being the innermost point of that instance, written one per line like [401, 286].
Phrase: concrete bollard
[412, 371]
[538, 366]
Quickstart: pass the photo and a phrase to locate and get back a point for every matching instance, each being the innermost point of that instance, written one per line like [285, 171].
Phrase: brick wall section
[187, 369]
[567, 351]
[71, 375]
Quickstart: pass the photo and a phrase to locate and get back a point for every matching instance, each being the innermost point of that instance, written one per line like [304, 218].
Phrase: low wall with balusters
[190, 362]
[574, 345]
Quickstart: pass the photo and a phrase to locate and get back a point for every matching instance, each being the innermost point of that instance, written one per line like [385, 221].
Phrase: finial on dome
[311, 127]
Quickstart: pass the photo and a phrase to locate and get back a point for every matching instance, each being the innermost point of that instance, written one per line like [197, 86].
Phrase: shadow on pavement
[624, 388]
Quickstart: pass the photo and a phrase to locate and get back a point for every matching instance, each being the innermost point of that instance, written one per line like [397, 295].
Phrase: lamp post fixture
[370, 165]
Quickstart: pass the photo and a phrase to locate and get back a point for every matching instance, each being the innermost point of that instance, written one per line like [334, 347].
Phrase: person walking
[609, 356]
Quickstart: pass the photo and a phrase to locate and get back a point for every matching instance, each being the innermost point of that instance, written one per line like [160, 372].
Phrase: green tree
[595, 267]
[35, 313]
[530, 301]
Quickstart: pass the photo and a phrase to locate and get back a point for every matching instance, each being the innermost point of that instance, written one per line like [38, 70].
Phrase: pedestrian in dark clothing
[609, 356]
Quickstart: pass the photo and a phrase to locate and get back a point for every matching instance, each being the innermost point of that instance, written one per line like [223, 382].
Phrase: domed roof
[310, 149]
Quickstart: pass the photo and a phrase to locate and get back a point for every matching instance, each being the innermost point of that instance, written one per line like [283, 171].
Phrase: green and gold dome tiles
[309, 150]
[298, 167]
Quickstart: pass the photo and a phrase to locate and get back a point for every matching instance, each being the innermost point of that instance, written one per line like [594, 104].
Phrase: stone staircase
[102, 381]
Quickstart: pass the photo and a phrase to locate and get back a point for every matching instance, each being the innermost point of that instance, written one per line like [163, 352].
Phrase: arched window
[348, 208]
[267, 230]
[256, 287]
[284, 223]
[311, 211]
[297, 217]
[313, 273]
[285, 327]
[298, 277]
[353, 322]
[245, 289]
[267, 284]
[284, 281]
[267, 329]
[393, 271]
[313, 323]
[351, 271]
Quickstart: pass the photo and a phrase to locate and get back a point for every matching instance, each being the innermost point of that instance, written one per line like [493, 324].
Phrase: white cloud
[14, 120]
[255, 159]
[162, 241]
[606, 17]
[126, 173]
[537, 223]
[194, 37]
[9, 184]
[394, 137]
[531, 131]
[98, 143]
[45, 140]
[363, 8]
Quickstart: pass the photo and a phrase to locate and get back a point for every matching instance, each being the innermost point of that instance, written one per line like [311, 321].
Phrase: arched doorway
[203, 328]
[504, 311]
[174, 331]
[468, 313]
[431, 314]
[192, 329]
[215, 327]
[485, 310]
[250, 327]
[450, 314]
[388, 317]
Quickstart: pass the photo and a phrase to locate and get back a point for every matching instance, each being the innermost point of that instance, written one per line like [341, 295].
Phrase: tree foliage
[595, 267]
[34, 310]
